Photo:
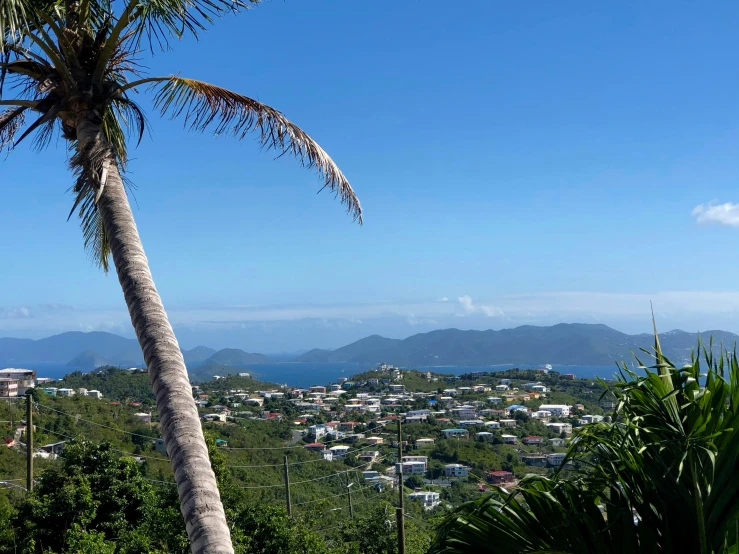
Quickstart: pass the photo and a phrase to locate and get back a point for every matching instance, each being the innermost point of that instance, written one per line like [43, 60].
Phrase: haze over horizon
[494, 196]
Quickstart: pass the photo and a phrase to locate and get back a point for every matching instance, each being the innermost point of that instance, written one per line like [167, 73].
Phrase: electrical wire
[94, 423]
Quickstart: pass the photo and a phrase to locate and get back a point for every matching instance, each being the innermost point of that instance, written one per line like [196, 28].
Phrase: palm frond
[88, 167]
[14, 19]
[10, 122]
[205, 106]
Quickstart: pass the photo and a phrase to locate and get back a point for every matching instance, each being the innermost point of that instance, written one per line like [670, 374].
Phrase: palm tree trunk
[200, 500]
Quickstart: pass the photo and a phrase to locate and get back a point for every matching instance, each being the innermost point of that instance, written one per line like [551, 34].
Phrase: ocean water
[308, 374]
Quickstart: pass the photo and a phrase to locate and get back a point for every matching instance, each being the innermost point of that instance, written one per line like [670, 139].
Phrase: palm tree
[74, 64]
[660, 478]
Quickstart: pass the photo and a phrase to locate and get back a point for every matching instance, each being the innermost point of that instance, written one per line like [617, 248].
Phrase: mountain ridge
[563, 343]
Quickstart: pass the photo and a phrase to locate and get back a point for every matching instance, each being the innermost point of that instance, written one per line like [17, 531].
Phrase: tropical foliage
[73, 66]
[661, 477]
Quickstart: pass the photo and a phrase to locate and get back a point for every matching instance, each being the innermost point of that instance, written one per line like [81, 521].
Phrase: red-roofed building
[315, 447]
[347, 426]
[569, 376]
[498, 477]
[533, 439]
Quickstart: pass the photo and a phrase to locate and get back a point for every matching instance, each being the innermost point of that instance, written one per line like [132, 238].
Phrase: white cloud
[443, 299]
[470, 307]
[724, 214]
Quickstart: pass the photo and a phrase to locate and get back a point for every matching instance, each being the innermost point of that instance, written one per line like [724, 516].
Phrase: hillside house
[347, 426]
[457, 433]
[569, 376]
[501, 388]
[557, 459]
[495, 400]
[374, 440]
[427, 499]
[560, 428]
[25, 378]
[535, 461]
[499, 477]
[559, 410]
[509, 439]
[339, 451]
[143, 417]
[424, 442]
[315, 447]
[456, 470]
[532, 440]
[318, 388]
[492, 424]
[369, 456]
[411, 468]
[485, 435]
[508, 422]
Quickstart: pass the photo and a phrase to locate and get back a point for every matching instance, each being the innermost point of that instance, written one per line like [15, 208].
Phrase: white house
[509, 439]
[65, 392]
[505, 381]
[411, 468]
[419, 459]
[556, 460]
[559, 410]
[339, 451]
[495, 400]
[592, 418]
[456, 470]
[559, 428]
[492, 424]
[501, 388]
[95, 394]
[427, 498]
[424, 442]
[508, 422]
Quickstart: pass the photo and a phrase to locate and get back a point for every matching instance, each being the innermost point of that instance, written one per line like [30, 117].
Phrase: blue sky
[532, 163]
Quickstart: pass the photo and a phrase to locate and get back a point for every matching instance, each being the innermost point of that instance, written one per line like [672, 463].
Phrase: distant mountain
[63, 348]
[86, 351]
[572, 344]
[197, 355]
[87, 361]
[356, 351]
[234, 356]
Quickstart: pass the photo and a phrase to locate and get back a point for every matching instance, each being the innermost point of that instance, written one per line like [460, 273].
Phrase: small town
[459, 434]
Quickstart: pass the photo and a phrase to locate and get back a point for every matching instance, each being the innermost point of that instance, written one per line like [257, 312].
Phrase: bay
[304, 375]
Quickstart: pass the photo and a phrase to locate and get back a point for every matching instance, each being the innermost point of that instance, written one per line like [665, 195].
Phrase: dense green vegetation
[660, 478]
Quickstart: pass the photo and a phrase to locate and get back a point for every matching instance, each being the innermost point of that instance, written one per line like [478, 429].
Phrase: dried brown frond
[207, 106]
[10, 122]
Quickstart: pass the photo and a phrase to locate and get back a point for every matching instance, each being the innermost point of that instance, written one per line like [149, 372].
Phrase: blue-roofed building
[517, 408]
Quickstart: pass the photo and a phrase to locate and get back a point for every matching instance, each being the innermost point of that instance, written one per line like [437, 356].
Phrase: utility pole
[399, 512]
[349, 493]
[29, 442]
[287, 491]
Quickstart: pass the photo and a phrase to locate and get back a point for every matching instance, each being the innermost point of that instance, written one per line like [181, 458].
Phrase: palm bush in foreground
[660, 478]
[70, 67]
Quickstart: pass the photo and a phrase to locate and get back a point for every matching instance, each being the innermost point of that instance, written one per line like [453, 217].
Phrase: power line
[112, 447]
[325, 497]
[308, 480]
[77, 418]
[305, 461]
